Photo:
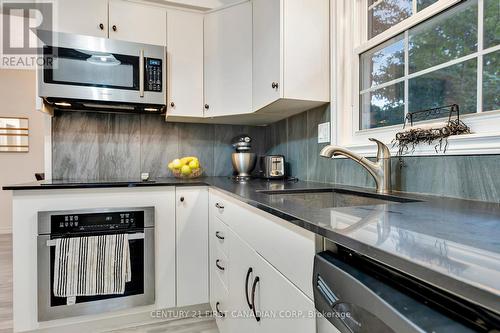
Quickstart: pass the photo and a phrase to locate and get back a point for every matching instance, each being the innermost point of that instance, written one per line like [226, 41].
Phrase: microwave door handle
[141, 74]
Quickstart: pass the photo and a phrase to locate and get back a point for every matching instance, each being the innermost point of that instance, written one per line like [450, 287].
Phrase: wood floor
[190, 325]
[5, 284]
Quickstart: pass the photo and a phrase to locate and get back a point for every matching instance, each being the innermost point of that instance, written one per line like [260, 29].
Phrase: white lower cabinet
[256, 297]
[191, 212]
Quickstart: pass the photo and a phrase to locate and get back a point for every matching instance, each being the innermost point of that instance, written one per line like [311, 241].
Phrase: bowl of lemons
[185, 167]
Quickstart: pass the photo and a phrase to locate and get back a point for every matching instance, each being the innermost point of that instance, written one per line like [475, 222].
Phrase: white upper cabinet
[185, 63]
[291, 52]
[89, 17]
[267, 69]
[228, 61]
[136, 22]
[116, 19]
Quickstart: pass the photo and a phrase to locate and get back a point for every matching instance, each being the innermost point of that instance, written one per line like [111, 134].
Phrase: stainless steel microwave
[85, 72]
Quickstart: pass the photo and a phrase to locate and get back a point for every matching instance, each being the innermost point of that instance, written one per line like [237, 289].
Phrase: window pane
[491, 23]
[383, 107]
[421, 4]
[491, 81]
[453, 84]
[383, 63]
[448, 36]
[387, 14]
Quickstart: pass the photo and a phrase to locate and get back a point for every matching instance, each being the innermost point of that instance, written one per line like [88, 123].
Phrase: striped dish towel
[95, 265]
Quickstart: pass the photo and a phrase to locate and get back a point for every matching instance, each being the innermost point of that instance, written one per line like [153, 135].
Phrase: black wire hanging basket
[410, 137]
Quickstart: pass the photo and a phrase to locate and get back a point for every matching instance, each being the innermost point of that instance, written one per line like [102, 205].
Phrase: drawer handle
[219, 205]
[250, 270]
[217, 234]
[221, 314]
[217, 263]
[253, 298]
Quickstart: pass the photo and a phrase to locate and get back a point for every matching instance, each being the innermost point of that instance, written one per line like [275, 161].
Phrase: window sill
[467, 144]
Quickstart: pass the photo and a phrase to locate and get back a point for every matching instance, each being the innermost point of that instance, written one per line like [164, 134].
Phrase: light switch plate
[324, 132]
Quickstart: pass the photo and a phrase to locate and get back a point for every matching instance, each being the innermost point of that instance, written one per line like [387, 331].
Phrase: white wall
[17, 96]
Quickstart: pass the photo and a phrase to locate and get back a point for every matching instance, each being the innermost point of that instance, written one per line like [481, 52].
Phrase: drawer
[220, 265]
[219, 235]
[219, 301]
[289, 248]
[220, 207]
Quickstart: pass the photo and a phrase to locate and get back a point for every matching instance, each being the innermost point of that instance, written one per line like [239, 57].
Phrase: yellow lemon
[176, 164]
[186, 170]
[194, 164]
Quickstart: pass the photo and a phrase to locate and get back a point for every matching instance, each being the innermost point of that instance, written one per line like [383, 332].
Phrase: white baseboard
[117, 322]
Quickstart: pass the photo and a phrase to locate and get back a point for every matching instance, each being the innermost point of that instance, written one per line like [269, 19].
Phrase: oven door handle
[141, 74]
[139, 235]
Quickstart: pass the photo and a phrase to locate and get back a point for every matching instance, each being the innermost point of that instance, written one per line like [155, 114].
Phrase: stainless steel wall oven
[137, 223]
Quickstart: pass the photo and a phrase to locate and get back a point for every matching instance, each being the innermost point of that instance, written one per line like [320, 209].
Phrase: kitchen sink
[333, 197]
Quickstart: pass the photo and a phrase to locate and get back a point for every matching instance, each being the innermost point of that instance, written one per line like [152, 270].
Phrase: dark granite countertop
[450, 243]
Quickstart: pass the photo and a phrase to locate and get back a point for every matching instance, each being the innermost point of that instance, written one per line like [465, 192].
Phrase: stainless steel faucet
[380, 169]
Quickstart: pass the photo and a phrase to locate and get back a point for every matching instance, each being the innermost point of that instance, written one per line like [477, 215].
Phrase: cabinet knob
[101, 26]
[172, 104]
[218, 235]
[275, 85]
[207, 106]
[182, 199]
[114, 28]
[219, 205]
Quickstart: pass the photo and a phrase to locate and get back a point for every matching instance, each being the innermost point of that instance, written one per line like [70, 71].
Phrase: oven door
[85, 68]
[139, 291]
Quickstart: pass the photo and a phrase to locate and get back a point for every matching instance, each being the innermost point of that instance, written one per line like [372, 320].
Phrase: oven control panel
[96, 222]
[153, 75]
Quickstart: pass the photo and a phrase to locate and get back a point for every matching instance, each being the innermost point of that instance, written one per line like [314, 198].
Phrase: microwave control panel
[153, 75]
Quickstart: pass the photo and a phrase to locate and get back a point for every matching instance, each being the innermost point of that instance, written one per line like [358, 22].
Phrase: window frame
[351, 34]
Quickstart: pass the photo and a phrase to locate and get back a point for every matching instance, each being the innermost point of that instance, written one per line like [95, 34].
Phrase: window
[383, 14]
[437, 62]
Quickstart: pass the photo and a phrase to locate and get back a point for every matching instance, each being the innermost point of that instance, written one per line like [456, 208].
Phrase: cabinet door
[228, 61]
[192, 245]
[283, 307]
[185, 63]
[241, 275]
[82, 17]
[267, 46]
[136, 22]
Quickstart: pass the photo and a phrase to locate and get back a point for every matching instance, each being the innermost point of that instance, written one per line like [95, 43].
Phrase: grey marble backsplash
[473, 177]
[88, 145]
[103, 146]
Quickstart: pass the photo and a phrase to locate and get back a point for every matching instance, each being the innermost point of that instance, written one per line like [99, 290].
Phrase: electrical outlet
[324, 132]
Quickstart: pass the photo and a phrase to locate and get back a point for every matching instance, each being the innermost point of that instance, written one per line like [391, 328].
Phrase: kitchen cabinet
[258, 289]
[228, 61]
[191, 238]
[116, 19]
[262, 231]
[291, 54]
[277, 293]
[140, 23]
[88, 17]
[184, 63]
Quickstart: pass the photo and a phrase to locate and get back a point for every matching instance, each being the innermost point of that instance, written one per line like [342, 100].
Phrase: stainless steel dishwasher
[354, 294]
